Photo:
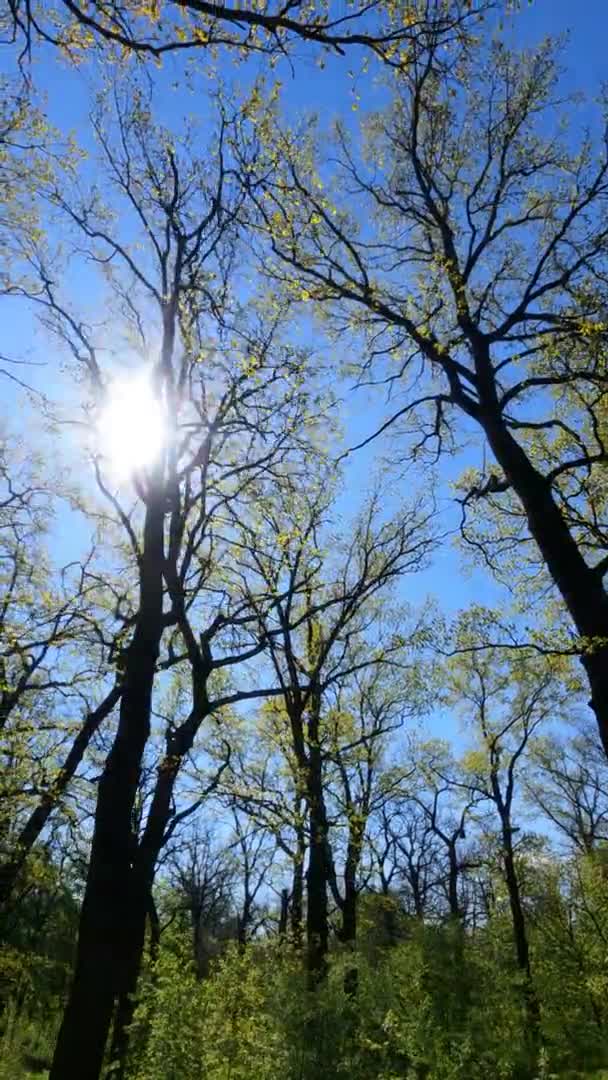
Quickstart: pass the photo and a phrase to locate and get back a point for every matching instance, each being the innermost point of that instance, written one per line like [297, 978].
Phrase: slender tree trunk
[123, 1016]
[520, 938]
[109, 919]
[453, 876]
[284, 915]
[297, 889]
[243, 922]
[414, 882]
[349, 906]
[317, 931]
[32, 828]
[456, 936]
[317, 928]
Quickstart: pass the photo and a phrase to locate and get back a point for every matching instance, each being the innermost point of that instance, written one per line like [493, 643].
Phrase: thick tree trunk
[40, 814]
[596, 666]
[109, 919]
[127, 1002]
[580, 586]
[125, 1008]
[178, 744]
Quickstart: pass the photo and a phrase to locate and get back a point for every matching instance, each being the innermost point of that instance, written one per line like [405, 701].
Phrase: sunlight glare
[131, 425]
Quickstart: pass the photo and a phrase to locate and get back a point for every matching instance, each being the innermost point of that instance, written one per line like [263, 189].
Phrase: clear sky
[328, 92]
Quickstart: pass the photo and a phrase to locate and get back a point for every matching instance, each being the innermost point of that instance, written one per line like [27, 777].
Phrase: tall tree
[327, 631]
[202, 878]
[362, 712]
[472, 255]
[507, 701]
[227, 398]
[433, 792]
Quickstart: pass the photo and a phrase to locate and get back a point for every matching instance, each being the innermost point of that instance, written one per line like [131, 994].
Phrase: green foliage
[440, 1005]
[223, 1028]
[26, 1045]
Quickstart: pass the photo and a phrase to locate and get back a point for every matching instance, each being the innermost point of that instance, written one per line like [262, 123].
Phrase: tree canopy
[303, 542]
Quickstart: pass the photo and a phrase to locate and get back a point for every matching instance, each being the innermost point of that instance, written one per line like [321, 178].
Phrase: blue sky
[329, 92]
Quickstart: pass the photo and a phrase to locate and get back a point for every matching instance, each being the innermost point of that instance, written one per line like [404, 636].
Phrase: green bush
[421, 1012]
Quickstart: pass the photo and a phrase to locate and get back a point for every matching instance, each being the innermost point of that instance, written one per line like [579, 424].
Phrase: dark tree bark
[518, 919]
[580, 585]
[109, 920]
[520, 937]
[317, 925]
[284, 914]
[349, 913]
[297, 888]
[454, 880]
[142, 880]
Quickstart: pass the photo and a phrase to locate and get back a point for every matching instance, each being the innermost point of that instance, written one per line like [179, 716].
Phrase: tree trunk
[244, 920]
[580, 586]
[154, 929]
[317, 928]
[453, 875]
[349, 905]
[179, 743]
[109, 919]
[30, 832]
[596, 666]
[520, 938]
[297, 889]
[284, 914]
[125, 1008]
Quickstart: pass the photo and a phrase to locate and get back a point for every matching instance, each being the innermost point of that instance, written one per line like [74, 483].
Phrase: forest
[303, 540]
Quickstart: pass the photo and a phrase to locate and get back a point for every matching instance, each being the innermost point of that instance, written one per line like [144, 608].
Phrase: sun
[131, 426]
